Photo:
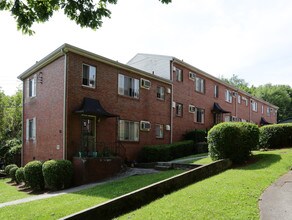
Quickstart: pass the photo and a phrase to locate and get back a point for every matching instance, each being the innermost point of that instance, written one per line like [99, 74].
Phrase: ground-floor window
[200, 115]
[128, 130]
[159, 131]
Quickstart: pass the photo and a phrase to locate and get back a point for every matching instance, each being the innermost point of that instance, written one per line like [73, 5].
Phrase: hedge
[20, 175]
[196, 135]
[276, 136]
[8, 167]
[12, 172]
[57, 174]
[166, 152]
[33, 175]
[233, 140]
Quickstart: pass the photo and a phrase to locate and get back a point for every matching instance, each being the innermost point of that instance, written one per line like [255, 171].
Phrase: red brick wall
[47, 108]
[184, 93]
[147, 107]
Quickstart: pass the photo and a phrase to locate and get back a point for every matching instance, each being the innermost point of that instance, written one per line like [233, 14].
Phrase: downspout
[22, 127]
[64, 106]
[171, 101]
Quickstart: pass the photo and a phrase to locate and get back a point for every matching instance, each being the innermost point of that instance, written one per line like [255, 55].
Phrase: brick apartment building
[76, 101]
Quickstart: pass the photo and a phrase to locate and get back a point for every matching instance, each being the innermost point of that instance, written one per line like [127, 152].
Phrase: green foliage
[8, 167]
[238, 83]
[20, 177]
[12, 173]
[14, 152]
[276, 136]
[34, 175]
[57, 174]
[233, 140]
[166, 152]
[196, 135]
[85, 13]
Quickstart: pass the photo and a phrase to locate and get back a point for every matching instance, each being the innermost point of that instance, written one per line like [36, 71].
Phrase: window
[32, 87]
[128, 130]
[216, 91]
[200, 85]
[30, 129]
[268, 111]
[238, 99]
[200, 115]
[128, 86]
[179, 109]
[179, 74]
[160, 92]
[254, 106]
[262, 109]
[245, 100]
[89, 75]
[159, 131]
[228, 96]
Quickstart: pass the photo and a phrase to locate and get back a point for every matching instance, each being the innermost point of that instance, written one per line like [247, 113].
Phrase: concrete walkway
[127, 173]
[276, 201]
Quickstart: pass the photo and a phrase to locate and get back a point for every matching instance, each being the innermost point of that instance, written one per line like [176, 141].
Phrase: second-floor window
[216, 91]
[179, 109]
[160, 92]
[88, 75]
[200, 85]
[32, 87]
[268, 111]
[228, 96]
[179, 74]
[254, 106]
[128, 86]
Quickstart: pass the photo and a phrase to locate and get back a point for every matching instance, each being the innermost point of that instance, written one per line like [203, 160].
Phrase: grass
[10, 193]
[60, 206]
[232, 194]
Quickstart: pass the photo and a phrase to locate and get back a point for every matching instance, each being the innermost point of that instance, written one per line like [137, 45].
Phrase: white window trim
[136, 127]
[228, 96]
[90, 67]
[33, 90]
[196, 115]
[161, 128]
[199, 85]
[121, 87]
[33, 129]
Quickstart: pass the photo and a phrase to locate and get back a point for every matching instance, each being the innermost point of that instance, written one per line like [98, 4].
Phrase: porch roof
[93, 107]
[264, 122]
[217, 109]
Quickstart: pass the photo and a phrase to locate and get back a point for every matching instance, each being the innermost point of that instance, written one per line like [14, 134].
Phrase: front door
[88, 125]
[217, 118]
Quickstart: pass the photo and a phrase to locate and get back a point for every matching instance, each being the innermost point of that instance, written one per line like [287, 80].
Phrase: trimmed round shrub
[232, 140]
[20, 175]
[8, 167]
[12, 173]
[57, 174]
[33, 175]
[276, 136]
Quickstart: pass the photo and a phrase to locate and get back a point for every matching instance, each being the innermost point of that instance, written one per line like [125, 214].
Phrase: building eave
[69, 48]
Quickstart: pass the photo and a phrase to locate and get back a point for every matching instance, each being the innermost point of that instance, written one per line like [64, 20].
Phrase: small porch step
[163, 166]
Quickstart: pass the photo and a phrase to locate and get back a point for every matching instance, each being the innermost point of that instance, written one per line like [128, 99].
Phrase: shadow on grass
[259, 161]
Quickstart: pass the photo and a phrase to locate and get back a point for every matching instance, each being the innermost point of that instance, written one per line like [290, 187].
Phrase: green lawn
[56, 207]
[9, 193]
[232, 194]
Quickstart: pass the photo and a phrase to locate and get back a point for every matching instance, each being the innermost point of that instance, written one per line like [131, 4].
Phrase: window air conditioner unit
[234, 94]
[168, 90]
[167, 127]
[145, 126]
[192, 76]
[145, 83]
[192, 108]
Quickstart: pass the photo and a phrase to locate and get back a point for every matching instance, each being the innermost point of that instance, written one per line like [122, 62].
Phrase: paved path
[187, 159]
[128, 172]
[276, 201]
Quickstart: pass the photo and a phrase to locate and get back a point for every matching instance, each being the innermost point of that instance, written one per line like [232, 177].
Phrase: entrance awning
[93, 107]
[217, 109]
[264, 122]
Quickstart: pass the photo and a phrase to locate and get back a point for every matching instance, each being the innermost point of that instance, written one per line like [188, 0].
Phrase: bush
[57, 173]
[196, 135]
[33, 175]
[12, 172]
[8, 167]
[166, 152]
[233, 140]
[276, 136]
[20, 175]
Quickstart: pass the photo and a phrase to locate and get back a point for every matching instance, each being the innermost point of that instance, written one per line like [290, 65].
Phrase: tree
[279, 95]
[238, 83]
[85, 13]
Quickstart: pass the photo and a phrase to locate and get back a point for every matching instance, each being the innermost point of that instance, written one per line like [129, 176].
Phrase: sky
[249, 38]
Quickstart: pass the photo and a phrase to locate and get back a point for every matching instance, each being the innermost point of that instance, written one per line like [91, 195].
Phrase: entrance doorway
[88, 133]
